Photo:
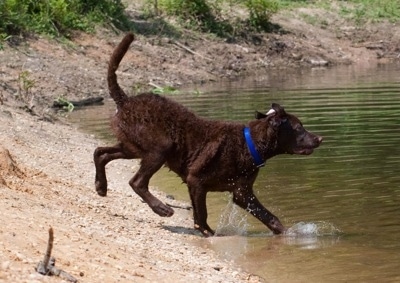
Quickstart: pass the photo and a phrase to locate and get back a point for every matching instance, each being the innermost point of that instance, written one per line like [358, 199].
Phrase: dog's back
[153, 123]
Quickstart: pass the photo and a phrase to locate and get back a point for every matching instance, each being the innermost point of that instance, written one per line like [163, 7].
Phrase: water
[341, 204]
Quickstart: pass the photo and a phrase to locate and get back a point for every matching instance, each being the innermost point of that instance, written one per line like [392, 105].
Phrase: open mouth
[303, 151]
[306, 148]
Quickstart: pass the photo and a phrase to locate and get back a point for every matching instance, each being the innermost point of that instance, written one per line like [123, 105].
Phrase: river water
[342, 203]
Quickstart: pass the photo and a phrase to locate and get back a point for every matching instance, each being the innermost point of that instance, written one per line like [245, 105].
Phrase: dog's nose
[319, 139]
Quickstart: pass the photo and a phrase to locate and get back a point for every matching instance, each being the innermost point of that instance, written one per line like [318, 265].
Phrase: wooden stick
[187, 207]
[49, 249]
[190, 50]
[42, 267]
[47, 266]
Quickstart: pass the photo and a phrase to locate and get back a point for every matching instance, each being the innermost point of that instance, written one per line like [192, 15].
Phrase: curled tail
[115, 90]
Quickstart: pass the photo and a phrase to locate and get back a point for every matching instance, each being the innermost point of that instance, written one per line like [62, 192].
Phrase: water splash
[233, 221]
[312, 235]
[312, 229]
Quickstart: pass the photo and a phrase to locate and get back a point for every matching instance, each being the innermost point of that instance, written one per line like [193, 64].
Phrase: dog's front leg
[198, 196]
[246, 199]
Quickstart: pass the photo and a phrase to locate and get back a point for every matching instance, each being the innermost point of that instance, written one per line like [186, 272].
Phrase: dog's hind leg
[248, 201]
[149, 165]
[102, 156]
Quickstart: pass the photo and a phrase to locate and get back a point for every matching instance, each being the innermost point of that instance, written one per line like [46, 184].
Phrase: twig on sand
[187, 207]
[47, 266]
[190, 50]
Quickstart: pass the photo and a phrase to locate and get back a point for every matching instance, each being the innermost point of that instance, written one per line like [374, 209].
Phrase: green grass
[208, 15]
[59, 17]
[373, 10]
[358, 10]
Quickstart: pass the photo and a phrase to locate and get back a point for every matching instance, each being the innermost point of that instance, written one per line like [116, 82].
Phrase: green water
[350, 184]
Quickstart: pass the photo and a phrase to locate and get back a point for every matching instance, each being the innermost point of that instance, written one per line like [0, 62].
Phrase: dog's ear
[278, 117]
[270, 112]
[260, 115]
[278, 109]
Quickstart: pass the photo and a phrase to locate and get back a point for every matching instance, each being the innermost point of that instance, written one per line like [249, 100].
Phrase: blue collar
[254, 153]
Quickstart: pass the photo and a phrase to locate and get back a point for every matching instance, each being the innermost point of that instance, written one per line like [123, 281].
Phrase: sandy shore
[47, 179]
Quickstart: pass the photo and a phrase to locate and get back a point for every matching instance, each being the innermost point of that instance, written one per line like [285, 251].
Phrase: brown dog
[208, 155]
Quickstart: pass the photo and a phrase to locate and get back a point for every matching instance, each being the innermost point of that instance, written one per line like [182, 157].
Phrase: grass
[373, 10]
[360, 11]
[60, 18]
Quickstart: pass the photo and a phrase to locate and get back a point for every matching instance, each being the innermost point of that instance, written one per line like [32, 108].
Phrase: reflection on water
[351, 183]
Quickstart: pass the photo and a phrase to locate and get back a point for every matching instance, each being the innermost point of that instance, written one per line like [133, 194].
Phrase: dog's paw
[163, 210]
[207, 232]
[101, 189]
[277, 227]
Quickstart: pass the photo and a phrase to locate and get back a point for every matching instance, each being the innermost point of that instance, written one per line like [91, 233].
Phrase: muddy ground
[46, 167]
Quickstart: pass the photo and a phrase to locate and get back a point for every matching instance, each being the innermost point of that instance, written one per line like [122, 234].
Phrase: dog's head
[291, 137]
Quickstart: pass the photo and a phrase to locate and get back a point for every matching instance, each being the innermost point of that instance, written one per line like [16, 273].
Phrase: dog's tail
[115, 90]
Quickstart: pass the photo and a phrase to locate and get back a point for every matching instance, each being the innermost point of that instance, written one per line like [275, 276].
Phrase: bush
[260, 12]
[206, 13]
[59, 17]
[191, 12]
[13, 16]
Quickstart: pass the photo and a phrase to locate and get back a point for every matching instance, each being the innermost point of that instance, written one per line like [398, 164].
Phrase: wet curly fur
[208, 155]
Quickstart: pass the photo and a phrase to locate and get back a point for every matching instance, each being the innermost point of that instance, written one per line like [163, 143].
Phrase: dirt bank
[39, 70]
[46, 168]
